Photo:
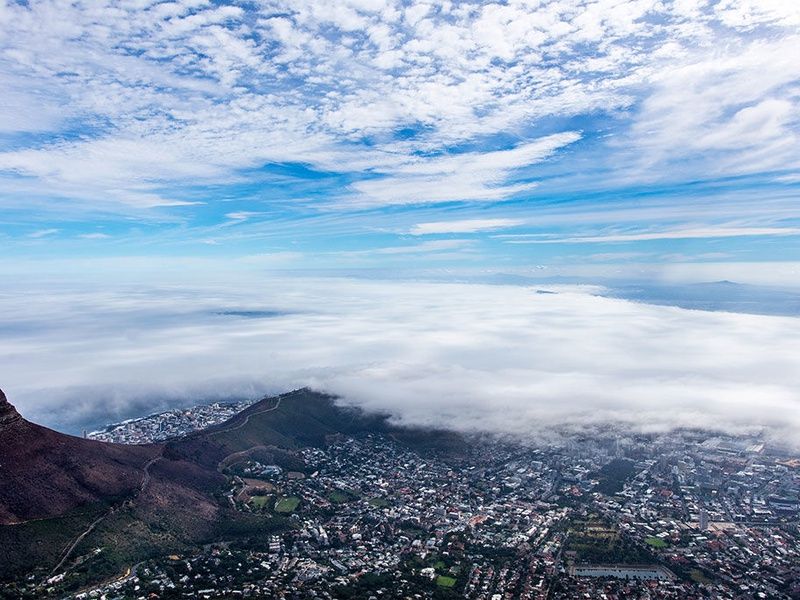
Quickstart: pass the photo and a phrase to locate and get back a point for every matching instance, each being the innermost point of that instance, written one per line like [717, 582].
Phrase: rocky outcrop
[8, 414]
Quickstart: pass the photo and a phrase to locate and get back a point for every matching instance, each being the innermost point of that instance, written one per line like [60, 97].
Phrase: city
[170, 424]
[681, 515]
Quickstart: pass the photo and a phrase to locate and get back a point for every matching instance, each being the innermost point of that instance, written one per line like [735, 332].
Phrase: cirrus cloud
[463, 226]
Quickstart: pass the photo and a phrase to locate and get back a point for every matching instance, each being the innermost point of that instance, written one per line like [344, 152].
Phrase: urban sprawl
[682, 515]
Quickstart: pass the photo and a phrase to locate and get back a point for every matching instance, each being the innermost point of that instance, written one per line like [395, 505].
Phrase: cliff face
[8, 414]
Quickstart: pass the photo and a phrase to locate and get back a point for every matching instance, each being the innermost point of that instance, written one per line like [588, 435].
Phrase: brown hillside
[45, 473]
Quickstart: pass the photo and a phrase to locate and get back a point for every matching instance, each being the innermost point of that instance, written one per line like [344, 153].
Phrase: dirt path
[242, 424]
[71, 548]
[247, 418]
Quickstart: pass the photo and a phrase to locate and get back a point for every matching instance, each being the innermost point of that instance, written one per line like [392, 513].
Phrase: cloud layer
[122, 105]
[472, 357]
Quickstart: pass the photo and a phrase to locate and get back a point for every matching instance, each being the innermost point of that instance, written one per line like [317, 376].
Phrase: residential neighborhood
[605, 515]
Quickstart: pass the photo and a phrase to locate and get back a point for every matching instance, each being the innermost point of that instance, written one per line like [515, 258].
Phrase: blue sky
[359, 134]
[163, 164]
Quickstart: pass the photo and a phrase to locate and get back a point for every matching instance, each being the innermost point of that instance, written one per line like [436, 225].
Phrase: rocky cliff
[8, 414]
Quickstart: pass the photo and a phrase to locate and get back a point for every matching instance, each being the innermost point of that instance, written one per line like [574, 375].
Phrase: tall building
[703, 519]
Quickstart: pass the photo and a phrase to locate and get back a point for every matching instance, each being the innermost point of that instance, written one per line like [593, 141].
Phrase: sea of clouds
[496, 358]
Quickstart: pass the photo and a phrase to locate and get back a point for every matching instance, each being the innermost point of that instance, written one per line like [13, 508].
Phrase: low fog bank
[480, 358]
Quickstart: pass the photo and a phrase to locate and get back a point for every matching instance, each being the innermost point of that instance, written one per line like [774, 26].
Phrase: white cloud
[464, 226]
[675, 234]
[141, 100]
[721, 111]
[467, 176]
[43, 233]
[242, 215]
[493, 358]
[420, 248]
[752, 13]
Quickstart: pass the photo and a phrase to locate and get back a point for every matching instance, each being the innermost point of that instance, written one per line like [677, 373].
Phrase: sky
[373, 134]
[509, 216]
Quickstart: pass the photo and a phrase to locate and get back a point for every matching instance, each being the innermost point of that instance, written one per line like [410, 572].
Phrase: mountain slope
[61, 495]
[46, 473]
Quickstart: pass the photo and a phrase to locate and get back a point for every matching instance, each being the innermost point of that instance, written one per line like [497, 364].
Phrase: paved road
[146, 478]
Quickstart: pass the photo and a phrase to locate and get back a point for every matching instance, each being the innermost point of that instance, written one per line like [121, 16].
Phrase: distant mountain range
[62, 496]
[727, 296]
